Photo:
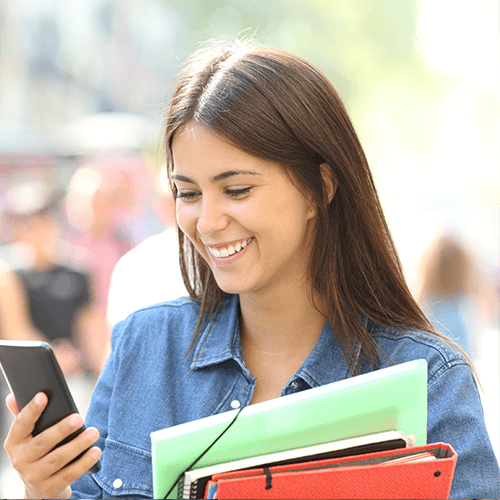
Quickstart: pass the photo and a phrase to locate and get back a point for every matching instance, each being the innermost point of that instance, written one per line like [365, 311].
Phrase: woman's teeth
[230, 250]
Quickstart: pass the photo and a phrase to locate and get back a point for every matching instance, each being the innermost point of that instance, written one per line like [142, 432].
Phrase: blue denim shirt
[148, 384]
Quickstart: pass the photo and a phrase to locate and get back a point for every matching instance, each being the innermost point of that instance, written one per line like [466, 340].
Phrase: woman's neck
[279, 323]
[277, 335]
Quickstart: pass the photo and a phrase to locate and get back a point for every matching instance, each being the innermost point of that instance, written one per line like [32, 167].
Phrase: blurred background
[82, 88]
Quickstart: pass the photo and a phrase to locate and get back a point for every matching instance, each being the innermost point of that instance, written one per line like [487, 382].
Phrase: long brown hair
[277, 106]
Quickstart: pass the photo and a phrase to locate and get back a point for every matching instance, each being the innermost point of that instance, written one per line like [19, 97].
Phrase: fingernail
[95, 453]
[92, 434]
[75, 421]
[39, 399]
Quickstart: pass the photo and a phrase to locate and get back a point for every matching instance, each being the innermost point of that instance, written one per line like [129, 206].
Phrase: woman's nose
[211, 217]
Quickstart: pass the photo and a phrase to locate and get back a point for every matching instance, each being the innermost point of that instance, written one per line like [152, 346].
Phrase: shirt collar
[219, 341]
[326, 363]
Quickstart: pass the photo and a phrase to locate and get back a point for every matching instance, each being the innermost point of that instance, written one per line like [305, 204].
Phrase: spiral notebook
[393, 398]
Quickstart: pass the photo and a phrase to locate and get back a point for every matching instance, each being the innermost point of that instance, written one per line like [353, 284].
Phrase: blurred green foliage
[356, 43]
[359, 45]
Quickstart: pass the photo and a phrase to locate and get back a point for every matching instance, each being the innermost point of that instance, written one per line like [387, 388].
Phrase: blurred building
[80, 81]
[62, 60]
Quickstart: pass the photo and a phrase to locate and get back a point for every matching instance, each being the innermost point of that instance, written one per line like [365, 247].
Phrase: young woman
[293, 277]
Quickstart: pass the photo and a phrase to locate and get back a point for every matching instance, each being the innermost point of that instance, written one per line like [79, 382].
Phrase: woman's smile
[226, 251]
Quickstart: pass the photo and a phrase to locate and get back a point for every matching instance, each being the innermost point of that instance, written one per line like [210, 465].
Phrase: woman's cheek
[187, 221]
[182, 217]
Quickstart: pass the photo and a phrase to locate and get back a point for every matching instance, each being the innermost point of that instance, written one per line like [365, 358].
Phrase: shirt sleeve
[455, 416]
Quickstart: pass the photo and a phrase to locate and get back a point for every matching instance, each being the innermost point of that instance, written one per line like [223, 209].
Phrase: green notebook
[393, 398]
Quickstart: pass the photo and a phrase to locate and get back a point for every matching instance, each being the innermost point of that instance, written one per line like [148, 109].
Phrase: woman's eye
[194, 195]
[237, 193]
[186, 195]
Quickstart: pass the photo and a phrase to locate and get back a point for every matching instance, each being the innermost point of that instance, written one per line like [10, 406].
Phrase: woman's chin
[233, 286]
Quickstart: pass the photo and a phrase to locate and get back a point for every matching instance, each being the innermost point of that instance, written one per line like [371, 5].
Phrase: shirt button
[235, 404]
[117, 483]
[294, 385]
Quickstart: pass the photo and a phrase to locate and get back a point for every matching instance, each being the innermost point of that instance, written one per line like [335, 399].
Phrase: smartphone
[30, 368]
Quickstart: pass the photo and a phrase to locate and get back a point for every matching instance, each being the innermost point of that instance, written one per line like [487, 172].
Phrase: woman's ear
[329, 180]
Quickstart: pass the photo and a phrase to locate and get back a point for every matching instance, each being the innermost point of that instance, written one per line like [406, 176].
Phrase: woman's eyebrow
[230, 173]
[216, 178]
[182, 178]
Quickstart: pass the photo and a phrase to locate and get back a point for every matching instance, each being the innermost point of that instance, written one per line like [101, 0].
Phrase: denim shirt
[149, 384]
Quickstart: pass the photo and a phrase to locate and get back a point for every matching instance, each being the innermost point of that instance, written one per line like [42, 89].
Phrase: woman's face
[243, 214]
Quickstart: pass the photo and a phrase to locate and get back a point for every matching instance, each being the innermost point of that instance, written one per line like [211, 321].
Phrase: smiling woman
[240, 105]
[293, 278]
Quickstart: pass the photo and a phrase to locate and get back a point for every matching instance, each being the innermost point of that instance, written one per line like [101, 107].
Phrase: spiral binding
[180, 477]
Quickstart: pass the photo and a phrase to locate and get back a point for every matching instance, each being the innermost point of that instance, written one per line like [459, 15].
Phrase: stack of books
[363, 437]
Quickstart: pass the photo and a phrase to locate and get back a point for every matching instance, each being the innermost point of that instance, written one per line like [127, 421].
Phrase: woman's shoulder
[184, 309]
[158, 320]
[399, 346]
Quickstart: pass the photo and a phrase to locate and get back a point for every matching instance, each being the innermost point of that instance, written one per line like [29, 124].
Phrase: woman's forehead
[198, 149]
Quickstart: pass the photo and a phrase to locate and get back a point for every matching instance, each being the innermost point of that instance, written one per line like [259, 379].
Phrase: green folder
[393, 398]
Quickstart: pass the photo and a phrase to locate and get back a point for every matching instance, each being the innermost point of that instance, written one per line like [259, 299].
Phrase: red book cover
[366, 476]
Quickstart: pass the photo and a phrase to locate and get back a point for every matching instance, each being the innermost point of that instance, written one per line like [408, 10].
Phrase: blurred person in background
[42, 296]
[97, 198]
[462, 301]
[152, 266]
[449, 292]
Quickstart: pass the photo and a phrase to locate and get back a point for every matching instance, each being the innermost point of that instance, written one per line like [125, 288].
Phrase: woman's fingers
[57, 485]
[47, 440]
[52, 472]
[55, 463]
[41, 463]
[26, 419]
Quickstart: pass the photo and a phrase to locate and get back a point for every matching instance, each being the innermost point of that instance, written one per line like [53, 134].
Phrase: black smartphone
[30, 368]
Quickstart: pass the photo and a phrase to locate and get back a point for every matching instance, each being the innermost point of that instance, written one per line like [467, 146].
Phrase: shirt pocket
[126, 471]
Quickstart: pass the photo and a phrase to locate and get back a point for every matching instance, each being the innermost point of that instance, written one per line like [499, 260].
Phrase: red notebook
[418, 472]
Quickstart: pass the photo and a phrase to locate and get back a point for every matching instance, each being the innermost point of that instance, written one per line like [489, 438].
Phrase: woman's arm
[455, 416]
